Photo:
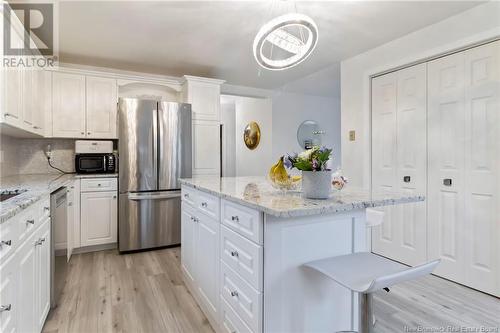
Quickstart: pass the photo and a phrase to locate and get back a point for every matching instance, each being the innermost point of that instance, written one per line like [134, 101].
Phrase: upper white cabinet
[101, 107]
[68, 105]
[13, 101]
[204, 96]
[83, 106]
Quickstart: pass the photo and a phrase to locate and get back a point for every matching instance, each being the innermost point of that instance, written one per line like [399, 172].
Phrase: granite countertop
[257, 193]
[36, 187]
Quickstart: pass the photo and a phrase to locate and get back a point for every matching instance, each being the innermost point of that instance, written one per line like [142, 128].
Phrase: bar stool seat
[365, 273]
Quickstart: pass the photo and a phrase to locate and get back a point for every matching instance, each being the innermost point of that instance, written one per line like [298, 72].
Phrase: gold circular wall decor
[251, 135]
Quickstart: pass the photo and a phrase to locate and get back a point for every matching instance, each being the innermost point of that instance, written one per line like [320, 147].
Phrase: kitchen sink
[7, 194]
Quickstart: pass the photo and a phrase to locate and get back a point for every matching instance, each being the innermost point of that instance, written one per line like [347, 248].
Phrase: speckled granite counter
[36, 187]
[257, 193]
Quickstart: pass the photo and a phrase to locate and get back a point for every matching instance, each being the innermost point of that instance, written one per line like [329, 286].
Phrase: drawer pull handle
[98, 184]
[204, 204]
[46, 208]
[234, 254]
[8, 242]
[235, 218]
[186, 195]
[5, 307]
[447, 182]
[38, 242]
[30, 221]
[42, 240]
[234, 293]
[406, 179]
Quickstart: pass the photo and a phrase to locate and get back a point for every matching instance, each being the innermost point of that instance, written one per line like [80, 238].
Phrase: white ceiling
[214, 39]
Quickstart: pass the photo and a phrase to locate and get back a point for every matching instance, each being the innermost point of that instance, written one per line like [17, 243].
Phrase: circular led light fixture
[285, 41]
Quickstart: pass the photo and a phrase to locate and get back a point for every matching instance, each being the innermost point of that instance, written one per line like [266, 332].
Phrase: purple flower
[314, 164]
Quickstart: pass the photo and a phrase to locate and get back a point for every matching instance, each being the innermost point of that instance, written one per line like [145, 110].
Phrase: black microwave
[95, 163]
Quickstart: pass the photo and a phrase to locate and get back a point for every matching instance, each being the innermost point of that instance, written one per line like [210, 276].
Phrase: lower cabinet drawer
[98, 184]
[10, 234]
[230, 322]
[245, 300]
[245, 221]
[243, 256]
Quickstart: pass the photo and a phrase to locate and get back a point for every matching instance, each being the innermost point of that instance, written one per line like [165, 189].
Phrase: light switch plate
[352, 135]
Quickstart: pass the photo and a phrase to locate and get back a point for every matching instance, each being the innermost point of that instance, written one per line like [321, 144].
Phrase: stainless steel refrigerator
[154, 150]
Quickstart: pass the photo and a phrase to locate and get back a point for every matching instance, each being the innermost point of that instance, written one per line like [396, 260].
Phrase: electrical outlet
[352, 135]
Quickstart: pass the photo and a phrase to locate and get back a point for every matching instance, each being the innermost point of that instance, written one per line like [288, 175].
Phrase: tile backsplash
[27, 156]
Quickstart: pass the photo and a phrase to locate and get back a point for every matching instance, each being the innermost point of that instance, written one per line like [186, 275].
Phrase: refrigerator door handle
[155, 146]
[150, 196]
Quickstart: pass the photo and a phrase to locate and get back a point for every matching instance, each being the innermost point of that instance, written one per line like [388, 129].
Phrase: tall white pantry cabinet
[436, 131]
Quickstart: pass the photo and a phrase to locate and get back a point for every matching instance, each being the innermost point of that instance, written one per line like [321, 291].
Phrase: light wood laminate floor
[144, 292]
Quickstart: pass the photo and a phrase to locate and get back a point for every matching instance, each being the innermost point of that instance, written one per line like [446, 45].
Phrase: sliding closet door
[384, 154]
[399, 161]
[446, 137]
[482, 164]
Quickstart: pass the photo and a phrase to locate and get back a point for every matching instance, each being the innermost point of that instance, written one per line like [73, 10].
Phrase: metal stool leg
[365, 306]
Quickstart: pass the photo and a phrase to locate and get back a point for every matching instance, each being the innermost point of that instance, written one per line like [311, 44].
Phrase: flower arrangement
[314, 159]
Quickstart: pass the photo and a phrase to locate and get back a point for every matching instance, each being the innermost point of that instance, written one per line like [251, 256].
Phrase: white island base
[244, 246]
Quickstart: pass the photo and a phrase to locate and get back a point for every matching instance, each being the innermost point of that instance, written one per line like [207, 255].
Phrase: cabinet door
[13, 102]
[42, 97]
[101, 107]
[68, 105]
[43, 275]
[204, 99]
[98, 218]
[206, 148]
[188, 242]
[207, 262]
[27, 286]
[70, 222]
[28, 104]
[8, 295]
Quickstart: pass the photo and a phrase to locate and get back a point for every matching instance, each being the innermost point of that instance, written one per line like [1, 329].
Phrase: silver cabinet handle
[447, 182]
[98, 184]
[234, 293]
[196, 220]
[30, 221]
[234, 253]
[42, 239]
[5, 307]
[38, 242]
[70, 204]
[82, 133]
[46, 208]
[8, 243]
[36, 127]
[204, 204]
[235, 218]
[186, 195]
[88, 133]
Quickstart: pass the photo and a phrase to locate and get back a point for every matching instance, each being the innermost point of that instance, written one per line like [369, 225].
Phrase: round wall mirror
[309, 134]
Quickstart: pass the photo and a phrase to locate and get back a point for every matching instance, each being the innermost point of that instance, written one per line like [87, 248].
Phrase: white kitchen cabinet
[98, 218]
[204, 96]
[43, 271]
[28, 96]
[399, 153]
[200, 256]
[68, 105]
[8, 295]
[13, 98]
[101, 97]
[42, 91]
[206, 147]
[188, 241]
[207, 262]
[27, 284]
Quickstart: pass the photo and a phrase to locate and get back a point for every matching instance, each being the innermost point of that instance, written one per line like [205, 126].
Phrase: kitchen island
[244, 244]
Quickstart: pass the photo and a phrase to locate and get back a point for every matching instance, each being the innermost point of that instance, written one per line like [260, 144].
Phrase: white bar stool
[365, 273]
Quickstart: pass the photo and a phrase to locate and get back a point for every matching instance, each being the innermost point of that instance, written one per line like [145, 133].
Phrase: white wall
[479, 23]
[246, 109]
[289, 110]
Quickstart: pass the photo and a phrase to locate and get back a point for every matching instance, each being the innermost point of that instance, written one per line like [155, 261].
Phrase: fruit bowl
[288, 184]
